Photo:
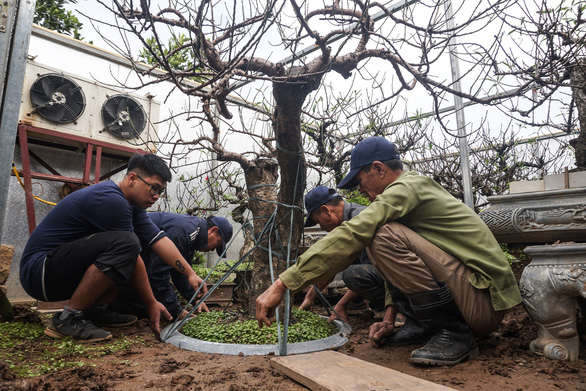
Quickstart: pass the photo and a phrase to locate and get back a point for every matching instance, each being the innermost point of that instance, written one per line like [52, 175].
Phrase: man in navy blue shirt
[189, 234]
[86, 250]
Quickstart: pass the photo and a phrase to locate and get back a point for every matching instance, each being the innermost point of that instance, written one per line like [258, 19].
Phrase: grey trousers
[413, 264]
[365, 280]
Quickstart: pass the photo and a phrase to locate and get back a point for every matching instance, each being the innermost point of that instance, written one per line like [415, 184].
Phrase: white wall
[88, 62]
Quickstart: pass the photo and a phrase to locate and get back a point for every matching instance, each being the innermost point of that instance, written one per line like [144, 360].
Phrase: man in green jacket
[449, 275]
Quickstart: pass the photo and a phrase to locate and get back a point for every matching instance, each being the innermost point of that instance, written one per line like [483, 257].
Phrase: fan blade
[135, 109]
[110, 108]
[47, 87]
[67, 89]
[58, 114]
[123, 105]
[72, 108]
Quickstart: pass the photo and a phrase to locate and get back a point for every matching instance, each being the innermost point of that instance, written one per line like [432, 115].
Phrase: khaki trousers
[413, 264]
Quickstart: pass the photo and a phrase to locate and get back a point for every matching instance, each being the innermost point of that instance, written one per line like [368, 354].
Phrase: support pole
[460, 120]
[15, 33]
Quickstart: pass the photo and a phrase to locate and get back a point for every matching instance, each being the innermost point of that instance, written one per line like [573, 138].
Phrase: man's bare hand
[268, 301]
[342, 314]
[202, 308]
[155, 311]
[184, 314]
[195, 281]
[379, 331]
[307, 304]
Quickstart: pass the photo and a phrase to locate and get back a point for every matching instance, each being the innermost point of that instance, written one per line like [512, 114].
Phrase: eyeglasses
[154, 191]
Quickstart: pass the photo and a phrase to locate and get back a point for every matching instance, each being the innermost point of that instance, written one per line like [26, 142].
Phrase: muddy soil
[505, 363]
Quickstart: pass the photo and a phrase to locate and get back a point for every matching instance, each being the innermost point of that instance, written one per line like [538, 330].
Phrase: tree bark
[289, 98]
[264, 174]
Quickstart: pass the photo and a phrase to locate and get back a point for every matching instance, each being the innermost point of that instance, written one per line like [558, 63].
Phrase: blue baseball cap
[225, 229]
[316, 198]
[365, 153]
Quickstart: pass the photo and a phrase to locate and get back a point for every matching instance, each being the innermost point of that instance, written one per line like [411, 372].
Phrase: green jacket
[419, 203]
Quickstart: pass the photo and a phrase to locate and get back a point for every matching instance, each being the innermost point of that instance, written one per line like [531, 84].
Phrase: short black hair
[337, 200]
[149, 165]
[393, 164]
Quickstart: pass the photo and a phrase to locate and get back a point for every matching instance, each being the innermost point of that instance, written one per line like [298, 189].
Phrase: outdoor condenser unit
[76, 106]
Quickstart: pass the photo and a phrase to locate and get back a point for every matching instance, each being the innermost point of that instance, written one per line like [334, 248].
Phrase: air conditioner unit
[74, 106]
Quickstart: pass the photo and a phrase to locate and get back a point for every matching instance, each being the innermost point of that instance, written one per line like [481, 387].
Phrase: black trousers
[114, 253]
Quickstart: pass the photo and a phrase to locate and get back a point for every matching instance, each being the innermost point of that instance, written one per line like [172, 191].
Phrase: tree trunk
[578, 81]
[289, 100]
[264, 174]
[287, 125]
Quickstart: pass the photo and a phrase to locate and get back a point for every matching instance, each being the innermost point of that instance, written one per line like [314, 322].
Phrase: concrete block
[578, 179]
[558, 181]
[526, 186]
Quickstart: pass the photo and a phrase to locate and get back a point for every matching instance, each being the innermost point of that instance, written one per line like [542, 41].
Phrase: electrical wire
[22, 184]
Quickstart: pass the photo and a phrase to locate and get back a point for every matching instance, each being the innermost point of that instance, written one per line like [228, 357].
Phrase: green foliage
[199, 258]
[52, 15]
[357, 198]
[225, 327]
[16, 339]
[513, 257]
[11, 333]
[220, 269]
[179, 54]
[510, 257]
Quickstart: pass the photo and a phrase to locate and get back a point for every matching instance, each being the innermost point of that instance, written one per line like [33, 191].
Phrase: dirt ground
[505, 363]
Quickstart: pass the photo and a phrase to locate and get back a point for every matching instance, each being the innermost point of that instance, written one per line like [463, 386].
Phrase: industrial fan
[57, 98]
[123, 116]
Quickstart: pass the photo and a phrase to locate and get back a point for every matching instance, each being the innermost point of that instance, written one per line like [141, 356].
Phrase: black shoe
[109, 318]
[410, 333]
[446, 347]
[76, 327]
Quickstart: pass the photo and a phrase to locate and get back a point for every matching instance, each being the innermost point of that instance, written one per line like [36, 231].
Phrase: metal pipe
[460, 120]
[14, 43]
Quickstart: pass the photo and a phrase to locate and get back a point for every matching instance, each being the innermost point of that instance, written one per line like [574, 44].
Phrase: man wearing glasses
[86, 250]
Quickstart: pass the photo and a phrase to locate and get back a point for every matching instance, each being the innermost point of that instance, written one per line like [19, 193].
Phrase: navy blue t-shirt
[98, 208]
[189, 233]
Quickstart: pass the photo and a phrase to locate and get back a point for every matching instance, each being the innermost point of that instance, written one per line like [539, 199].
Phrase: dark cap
[316, 198]
[225, 229]
[364, 153]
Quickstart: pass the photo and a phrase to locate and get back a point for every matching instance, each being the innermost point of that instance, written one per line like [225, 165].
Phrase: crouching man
[86, 250]
[365, 285]
[449, 276]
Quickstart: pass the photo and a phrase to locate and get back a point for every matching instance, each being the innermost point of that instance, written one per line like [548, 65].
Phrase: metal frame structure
[94, 151]
[15, 30]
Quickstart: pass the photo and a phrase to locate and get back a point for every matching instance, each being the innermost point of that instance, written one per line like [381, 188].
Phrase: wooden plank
[332, 371]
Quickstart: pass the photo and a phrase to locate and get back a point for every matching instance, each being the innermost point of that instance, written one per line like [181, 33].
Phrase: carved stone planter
[550, 286]
[538, 217]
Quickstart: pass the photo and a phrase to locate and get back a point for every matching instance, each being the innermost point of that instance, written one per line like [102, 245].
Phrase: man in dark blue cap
[189, 234]
[449, 275]
[328, 209]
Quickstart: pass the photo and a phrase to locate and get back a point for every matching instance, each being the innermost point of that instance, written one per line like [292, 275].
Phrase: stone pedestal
[550, 286]
[538, 217]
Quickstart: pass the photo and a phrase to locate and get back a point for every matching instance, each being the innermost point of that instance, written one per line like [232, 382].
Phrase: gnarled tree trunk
[289, 98]
[261, 180]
